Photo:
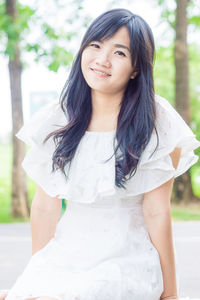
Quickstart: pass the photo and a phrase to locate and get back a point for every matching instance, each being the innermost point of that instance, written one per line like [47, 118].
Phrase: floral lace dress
[101, 249]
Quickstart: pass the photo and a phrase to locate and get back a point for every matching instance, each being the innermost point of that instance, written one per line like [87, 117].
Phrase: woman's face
[106, 65]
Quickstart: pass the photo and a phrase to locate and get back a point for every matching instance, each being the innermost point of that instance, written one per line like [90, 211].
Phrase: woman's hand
[3, 295]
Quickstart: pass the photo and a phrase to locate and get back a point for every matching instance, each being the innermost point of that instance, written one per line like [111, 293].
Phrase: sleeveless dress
[101, 249]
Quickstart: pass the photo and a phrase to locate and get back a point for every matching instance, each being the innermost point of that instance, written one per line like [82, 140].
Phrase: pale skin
[157, 215]
[113, 60]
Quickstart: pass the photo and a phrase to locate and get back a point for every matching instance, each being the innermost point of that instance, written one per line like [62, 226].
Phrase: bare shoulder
[175, 156]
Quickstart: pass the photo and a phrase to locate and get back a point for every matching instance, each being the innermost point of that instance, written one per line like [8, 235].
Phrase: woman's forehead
[121, 36]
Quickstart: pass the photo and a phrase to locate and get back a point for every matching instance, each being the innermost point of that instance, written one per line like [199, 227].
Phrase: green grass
[5, 187]
[190, 212]
[179, 212]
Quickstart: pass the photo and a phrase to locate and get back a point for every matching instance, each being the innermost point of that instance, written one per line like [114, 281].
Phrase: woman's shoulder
[169, 122]
[46, 120]
[155, 166]
[165, 109]
[171, 132]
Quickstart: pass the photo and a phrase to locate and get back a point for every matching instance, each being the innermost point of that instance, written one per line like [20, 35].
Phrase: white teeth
[101, 73]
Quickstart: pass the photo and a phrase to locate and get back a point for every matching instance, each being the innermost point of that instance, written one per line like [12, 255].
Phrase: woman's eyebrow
[122, 46]
[118, 46]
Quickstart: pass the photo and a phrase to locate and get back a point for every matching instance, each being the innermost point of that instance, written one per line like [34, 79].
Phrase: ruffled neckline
[90, 178]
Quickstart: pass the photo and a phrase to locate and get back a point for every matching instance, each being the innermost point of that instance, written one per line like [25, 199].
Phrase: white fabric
[89, 177]
[101, 249]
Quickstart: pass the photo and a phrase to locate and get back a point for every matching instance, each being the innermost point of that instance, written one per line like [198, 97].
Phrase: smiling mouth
[100, 73]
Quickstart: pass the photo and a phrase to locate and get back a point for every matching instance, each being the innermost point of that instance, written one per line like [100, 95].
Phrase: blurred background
[38, 41]
[37, 45]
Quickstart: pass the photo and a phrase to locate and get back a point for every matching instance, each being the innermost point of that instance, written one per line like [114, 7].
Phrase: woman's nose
[103, 59]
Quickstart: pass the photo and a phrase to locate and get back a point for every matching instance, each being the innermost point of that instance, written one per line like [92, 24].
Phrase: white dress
[101, 249]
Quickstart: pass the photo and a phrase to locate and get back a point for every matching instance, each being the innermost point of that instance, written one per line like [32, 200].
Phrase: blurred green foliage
[164, 77]
[49, 45]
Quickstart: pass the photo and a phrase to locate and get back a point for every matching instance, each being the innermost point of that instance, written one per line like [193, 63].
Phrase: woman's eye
[94, 45]
[120, 53]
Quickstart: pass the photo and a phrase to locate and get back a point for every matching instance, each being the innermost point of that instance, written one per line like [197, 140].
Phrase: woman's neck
[105, 111]
[105, 104]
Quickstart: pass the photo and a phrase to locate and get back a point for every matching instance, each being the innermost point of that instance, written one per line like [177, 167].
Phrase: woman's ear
[134, 74]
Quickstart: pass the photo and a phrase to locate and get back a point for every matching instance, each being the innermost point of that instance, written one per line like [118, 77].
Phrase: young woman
[112, 149]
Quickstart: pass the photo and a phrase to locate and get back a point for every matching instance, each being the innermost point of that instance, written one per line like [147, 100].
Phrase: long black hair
[136, 119]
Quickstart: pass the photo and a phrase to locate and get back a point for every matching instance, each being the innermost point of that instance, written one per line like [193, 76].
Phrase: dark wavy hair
[136, 119]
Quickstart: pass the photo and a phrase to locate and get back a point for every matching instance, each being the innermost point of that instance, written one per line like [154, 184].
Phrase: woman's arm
[157, 215]
[45, 212]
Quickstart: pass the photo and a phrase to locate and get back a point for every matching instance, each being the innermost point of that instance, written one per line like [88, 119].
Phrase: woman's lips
[100, 73]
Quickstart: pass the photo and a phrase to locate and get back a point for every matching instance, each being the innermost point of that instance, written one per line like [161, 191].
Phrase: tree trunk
[182, 190]
[20, 205]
